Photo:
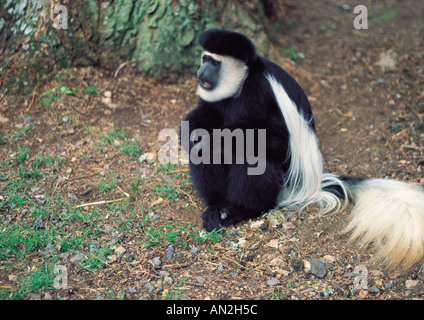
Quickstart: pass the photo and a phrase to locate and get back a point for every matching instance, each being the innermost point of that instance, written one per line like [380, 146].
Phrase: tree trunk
[159, 36]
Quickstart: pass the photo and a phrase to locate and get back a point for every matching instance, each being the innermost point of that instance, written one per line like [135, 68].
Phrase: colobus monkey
[241, 91]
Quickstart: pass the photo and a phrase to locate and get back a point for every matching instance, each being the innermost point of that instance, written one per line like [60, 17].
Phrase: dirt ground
[366, 90]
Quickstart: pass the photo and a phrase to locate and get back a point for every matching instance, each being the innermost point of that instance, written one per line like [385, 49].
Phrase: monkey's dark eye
[212, 61]
[215, 63]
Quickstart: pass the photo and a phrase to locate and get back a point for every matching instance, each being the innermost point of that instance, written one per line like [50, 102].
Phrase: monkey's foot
[218, 218]
[212, 218]
[235, 215]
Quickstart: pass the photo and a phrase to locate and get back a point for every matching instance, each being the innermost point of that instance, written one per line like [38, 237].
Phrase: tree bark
[159, 36]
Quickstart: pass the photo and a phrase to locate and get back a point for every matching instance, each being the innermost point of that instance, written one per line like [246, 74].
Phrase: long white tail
[306, 182]
[389, 214]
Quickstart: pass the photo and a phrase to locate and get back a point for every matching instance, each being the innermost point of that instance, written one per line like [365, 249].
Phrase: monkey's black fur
[229, 43]
[251, 92]
[227, 187]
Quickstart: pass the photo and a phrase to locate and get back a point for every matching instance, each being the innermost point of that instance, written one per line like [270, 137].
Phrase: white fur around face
[233, 73]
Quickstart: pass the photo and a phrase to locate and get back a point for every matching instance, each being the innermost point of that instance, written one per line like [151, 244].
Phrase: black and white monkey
[240, 90]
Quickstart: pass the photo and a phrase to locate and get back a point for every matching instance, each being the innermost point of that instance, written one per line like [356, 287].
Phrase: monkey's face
[208, 74]
[220, 77]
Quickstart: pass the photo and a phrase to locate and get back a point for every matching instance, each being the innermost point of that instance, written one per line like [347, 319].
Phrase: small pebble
[374, 289]
[233, 233]
[288, 226]
[297, 264]
[65, 255]
[329, 259]
[273, 282]
[289, 215]
[132, 290]
[170, 252]
[93, 247]
[121, 250]
[167, 281]
[327, 292]
[43, 252]
[307, 266]
[318, 268]
[195, 250]
[156, 262]
[130, 257]
[411, 284]
[39, 223]
[72, 197]
[77, 258]
[49, 245]
[149, 287]
[26, 118]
